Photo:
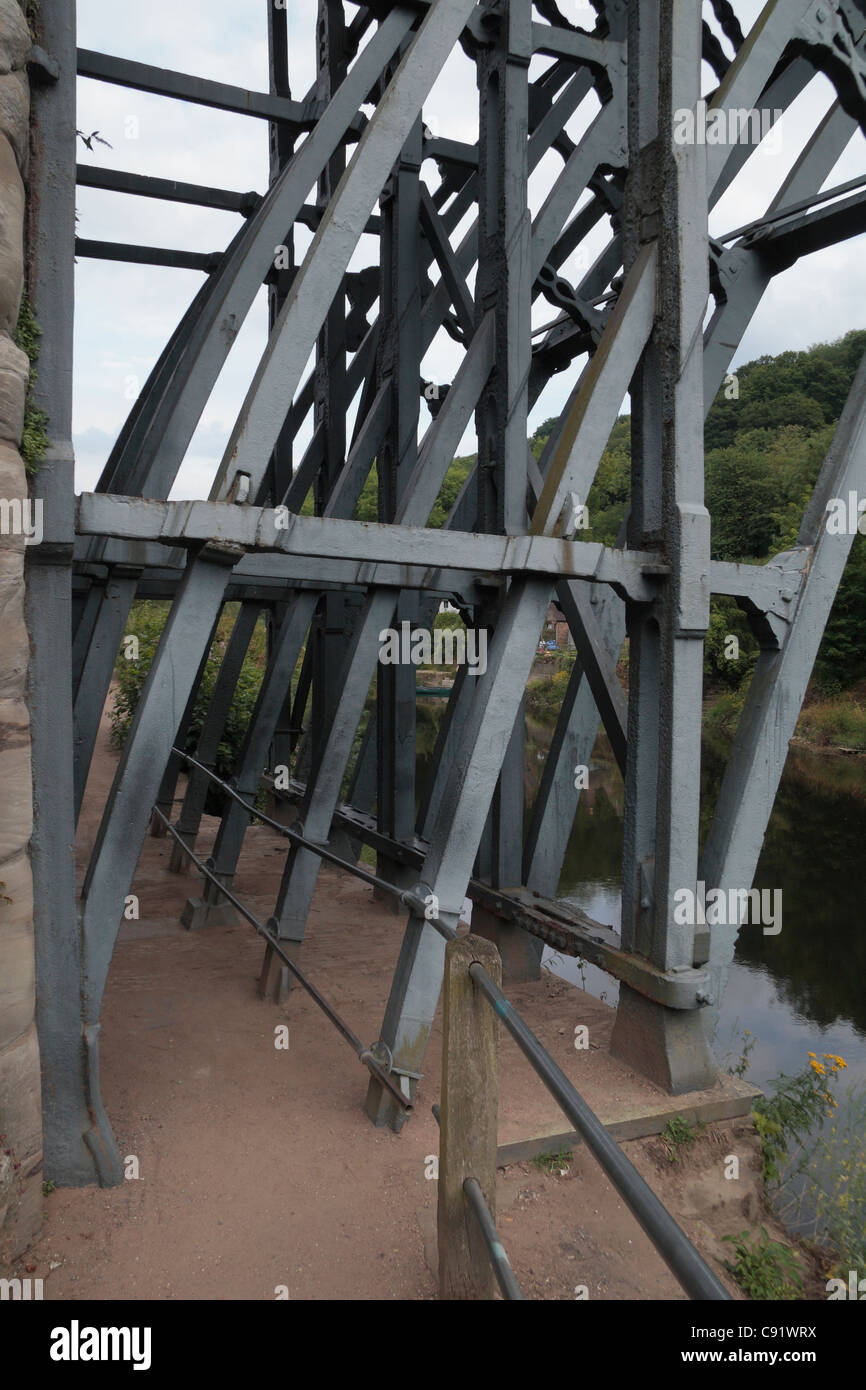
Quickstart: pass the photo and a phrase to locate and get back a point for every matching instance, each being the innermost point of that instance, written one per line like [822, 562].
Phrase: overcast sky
[125, 313]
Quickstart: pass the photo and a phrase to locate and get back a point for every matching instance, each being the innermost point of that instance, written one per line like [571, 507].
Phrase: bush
[786, 1119]
[146, 623]
[765, 1270]
[448, 619]
[834, 723]
[815, 1172]
[544, 696]
[728, 621]
[723, 716]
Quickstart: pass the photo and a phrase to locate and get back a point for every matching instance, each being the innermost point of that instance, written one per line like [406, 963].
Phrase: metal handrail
[408, 899]
[505, 1277]
[501, 1265]
[364, 1054]
[669, 1239]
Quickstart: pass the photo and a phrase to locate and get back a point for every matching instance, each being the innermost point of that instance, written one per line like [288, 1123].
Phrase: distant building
[556, 627]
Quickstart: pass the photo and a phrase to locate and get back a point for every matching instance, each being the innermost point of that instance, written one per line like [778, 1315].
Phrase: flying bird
[89, 139]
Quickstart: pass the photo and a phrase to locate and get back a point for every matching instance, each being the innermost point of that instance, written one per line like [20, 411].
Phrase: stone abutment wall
[20, 1099]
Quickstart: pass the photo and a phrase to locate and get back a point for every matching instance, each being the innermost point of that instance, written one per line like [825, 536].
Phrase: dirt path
[256, 1167]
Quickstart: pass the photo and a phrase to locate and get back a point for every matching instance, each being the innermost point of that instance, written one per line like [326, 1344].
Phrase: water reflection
[802, 990]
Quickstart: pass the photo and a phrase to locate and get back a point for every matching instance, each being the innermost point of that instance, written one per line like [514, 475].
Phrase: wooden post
[468, 1118]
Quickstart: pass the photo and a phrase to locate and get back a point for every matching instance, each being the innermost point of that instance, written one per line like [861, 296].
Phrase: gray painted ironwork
[327, 585]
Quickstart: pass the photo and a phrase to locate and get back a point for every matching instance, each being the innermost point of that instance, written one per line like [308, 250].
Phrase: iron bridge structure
[654, 312]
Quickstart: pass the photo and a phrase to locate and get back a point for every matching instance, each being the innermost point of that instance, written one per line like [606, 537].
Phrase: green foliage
[609, 494]
[553, 1162]
[834, 1191]
[742, 1064]
[678, 1134]
[727, 620]
[740, 494]
[538, 440]
[448, 620]
[367, 508]
[756, 489]
[813, 1159]
[34, 440]
[774, 390]
[766, 1269]
[544, 696]
[785, 1120]
[795, 408]
[835, 723]
[368, 857]
[146, 622]
[763, 454]
[842, 655]
[723, 715]
[450, 490]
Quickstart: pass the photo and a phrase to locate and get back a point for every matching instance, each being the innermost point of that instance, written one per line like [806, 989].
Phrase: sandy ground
[257, 1169]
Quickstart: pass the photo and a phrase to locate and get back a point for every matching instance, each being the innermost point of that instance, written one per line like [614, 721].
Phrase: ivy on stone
[34, 440]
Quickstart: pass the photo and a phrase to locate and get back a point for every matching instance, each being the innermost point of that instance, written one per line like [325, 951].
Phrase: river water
[801, 991]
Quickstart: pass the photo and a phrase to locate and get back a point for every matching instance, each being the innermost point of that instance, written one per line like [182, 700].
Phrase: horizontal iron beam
[771, 589]
[580, 47]
[124, 72]
[812, 231]
[172, 190]
[164, 566]
[564, 928]
[264, 529]
[147, 255]
[573, 932]
[791, 209]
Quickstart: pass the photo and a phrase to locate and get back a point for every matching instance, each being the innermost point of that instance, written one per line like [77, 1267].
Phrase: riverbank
[827, 723]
